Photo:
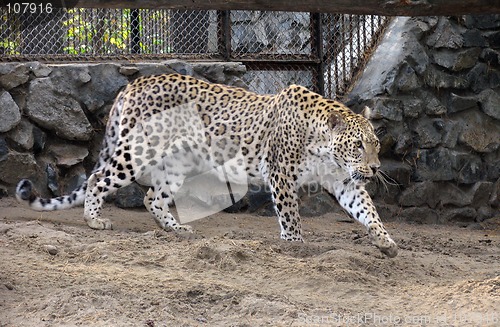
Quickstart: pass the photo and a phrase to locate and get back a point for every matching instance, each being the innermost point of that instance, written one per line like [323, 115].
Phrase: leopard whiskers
[384, 179]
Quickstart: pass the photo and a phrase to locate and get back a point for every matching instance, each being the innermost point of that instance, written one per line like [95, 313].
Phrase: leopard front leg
[285, 198]
[356, 200]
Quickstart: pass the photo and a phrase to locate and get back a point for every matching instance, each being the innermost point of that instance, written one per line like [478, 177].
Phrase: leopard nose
[374, 168]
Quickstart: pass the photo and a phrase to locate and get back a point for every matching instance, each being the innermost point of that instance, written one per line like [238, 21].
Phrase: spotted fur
[163, 128]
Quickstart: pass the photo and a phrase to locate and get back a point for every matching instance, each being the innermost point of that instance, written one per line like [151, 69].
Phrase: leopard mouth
[359, 177]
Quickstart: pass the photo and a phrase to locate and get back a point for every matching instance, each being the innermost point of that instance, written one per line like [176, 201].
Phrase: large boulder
[480, 133]
[60, 114]
[9, 112]
[13, 75]
[490, 103]
[16, 166]
[23, 135]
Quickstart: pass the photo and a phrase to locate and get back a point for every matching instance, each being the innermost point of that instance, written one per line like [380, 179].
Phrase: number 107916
[29, 7]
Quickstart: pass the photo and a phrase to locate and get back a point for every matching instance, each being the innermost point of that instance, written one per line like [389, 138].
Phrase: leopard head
[354, 144]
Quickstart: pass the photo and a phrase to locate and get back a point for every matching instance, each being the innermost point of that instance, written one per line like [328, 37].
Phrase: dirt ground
[55, 271]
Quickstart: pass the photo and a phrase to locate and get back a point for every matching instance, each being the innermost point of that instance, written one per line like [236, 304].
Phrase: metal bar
[135, 36]
[317, 50]
[224, 34]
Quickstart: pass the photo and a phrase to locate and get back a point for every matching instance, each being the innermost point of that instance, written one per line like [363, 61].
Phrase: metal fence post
[317, 50]
[224, 34]
[135, 36]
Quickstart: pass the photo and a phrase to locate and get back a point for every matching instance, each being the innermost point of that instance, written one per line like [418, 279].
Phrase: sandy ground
[54, 271]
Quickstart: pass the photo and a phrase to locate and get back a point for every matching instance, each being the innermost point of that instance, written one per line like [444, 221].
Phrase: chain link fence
[320, 51]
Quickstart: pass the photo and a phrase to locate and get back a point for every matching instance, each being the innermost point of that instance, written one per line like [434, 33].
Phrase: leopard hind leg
[157, 201]
[107, 180]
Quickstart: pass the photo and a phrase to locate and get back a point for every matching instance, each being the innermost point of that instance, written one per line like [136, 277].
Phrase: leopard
[163, 128]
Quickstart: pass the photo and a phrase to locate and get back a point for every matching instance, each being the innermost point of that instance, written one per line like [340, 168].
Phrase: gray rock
[433, 106]
[214, 73]
[3, 192]
[452, 129]
[491, 161]
[13, 75]
[387, 192]
[428, 132]
[74, 181]
[398, 172]
[482, 192]
[51, 249]
[61, 114]
[66, 154]
[39, 70]
[491, 57]
[459, 103]
[494, 200]
[318, 204]
[9, 111]
[22, 135]
[436, 194]
[260, 200]
[442, 80]
[412, 107]
[470, 168]
[179, 66]
[387, 212]
[52, 179]
[490, 103]
[416, 55]
[17, 166]
[387, 140]
[474, 38]
[446, 35]
[419, 194]
[457, 60]
[131, 196]
[404, 144]
[128, 70]
[482, 77]
[420, 215]
[407, 79]
[461, 216]
[480, 133]
[94, 85]
[441, 164]
[493, 40]
[418, 27]
[482, 21]
[39, 140]
[69, 79]
[146, 69]
[388, 108]
[239, 206]
[103, 87]
[435, 165]
[4, 149]
[484, 213]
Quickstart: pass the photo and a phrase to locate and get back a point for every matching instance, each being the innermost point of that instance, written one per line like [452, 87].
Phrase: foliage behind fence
[320, 51]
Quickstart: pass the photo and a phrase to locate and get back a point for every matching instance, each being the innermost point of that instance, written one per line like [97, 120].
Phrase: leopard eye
[359, 144]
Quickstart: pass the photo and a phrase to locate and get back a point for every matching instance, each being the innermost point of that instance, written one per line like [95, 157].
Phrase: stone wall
[53, 116]
[434, 86]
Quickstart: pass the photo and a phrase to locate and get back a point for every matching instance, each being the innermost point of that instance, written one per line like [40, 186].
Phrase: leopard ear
[367, 112]
[335, 121]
